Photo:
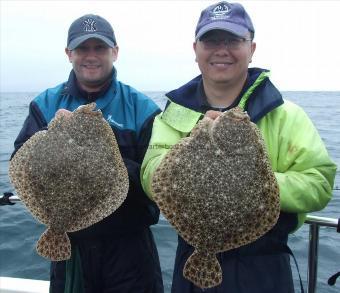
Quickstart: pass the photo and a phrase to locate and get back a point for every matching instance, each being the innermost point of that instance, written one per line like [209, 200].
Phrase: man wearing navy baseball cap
[230, 17]
[91, 32]
[224, 48]
[90, 26]
[117, 254]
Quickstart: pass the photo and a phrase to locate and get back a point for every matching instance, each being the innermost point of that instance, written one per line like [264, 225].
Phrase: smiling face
[223, 57]
[92, 63]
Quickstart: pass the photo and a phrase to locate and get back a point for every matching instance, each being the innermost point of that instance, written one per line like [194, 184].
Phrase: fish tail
[54, 246]
[203, 269]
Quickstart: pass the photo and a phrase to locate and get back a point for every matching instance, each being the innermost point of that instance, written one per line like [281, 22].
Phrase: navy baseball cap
[230, 17]
[90, 26]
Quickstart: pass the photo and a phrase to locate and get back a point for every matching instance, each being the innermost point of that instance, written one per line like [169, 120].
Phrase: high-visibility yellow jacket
[302, 166]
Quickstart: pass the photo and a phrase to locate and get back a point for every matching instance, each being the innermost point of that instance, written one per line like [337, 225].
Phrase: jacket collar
[262, 95]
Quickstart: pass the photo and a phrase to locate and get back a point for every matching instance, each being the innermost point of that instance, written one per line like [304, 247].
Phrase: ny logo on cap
[220, 11]
[89, 25]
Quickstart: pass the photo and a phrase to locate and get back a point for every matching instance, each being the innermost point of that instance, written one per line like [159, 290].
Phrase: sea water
[19, 231]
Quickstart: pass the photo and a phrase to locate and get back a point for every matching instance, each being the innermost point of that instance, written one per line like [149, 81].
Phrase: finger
[63, 112]
[212, 114]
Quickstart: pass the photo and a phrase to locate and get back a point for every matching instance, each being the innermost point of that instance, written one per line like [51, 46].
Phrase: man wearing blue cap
[224, 47]
[118, 254]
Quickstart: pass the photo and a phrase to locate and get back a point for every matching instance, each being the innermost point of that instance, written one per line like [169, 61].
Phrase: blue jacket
[130, 114]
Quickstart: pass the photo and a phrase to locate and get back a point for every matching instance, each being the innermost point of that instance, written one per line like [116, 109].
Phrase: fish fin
[203, 269]
[54, 246]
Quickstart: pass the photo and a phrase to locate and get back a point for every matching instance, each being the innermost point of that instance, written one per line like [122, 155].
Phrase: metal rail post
[315, 223]
[313, 257]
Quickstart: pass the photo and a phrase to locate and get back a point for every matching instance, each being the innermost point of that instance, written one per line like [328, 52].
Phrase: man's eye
[233, 41]
[101, 48]
[212, 41]
[82, 49]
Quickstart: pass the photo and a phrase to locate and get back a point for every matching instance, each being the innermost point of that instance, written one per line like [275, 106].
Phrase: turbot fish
[70, 177]
[218, 190]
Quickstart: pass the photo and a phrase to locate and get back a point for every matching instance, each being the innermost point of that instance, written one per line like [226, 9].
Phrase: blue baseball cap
[90, 26]
[230, 17]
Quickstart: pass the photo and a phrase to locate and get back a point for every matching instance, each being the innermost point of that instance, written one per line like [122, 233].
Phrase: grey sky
[297, 40]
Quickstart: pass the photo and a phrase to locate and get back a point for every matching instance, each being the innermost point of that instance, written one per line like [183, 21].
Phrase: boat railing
[314, 222]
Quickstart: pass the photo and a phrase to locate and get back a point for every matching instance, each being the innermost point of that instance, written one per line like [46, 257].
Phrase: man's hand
[63, 112]
[212, 114]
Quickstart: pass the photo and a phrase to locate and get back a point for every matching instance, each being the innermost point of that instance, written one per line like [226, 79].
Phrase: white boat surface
[18, 285]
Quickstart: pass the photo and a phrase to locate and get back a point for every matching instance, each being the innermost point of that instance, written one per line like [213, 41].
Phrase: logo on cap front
[89, 25]
[220, 11]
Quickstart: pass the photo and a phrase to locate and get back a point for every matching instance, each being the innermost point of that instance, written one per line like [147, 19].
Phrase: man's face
[223, 57]
[92, 62]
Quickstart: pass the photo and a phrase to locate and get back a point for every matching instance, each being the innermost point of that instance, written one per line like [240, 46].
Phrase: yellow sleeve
[168, 129]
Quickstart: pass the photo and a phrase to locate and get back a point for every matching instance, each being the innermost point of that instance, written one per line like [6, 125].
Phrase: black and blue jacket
[130, 115]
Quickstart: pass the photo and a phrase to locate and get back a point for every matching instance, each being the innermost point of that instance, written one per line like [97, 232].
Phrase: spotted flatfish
[217, 188]
[69, 177]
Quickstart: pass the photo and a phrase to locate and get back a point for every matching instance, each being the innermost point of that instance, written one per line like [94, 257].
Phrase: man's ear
[69, 54]
[194, 47]
[115, 52]
[253, 48]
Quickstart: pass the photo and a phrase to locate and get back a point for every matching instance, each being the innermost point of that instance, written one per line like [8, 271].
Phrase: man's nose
[222, 48]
